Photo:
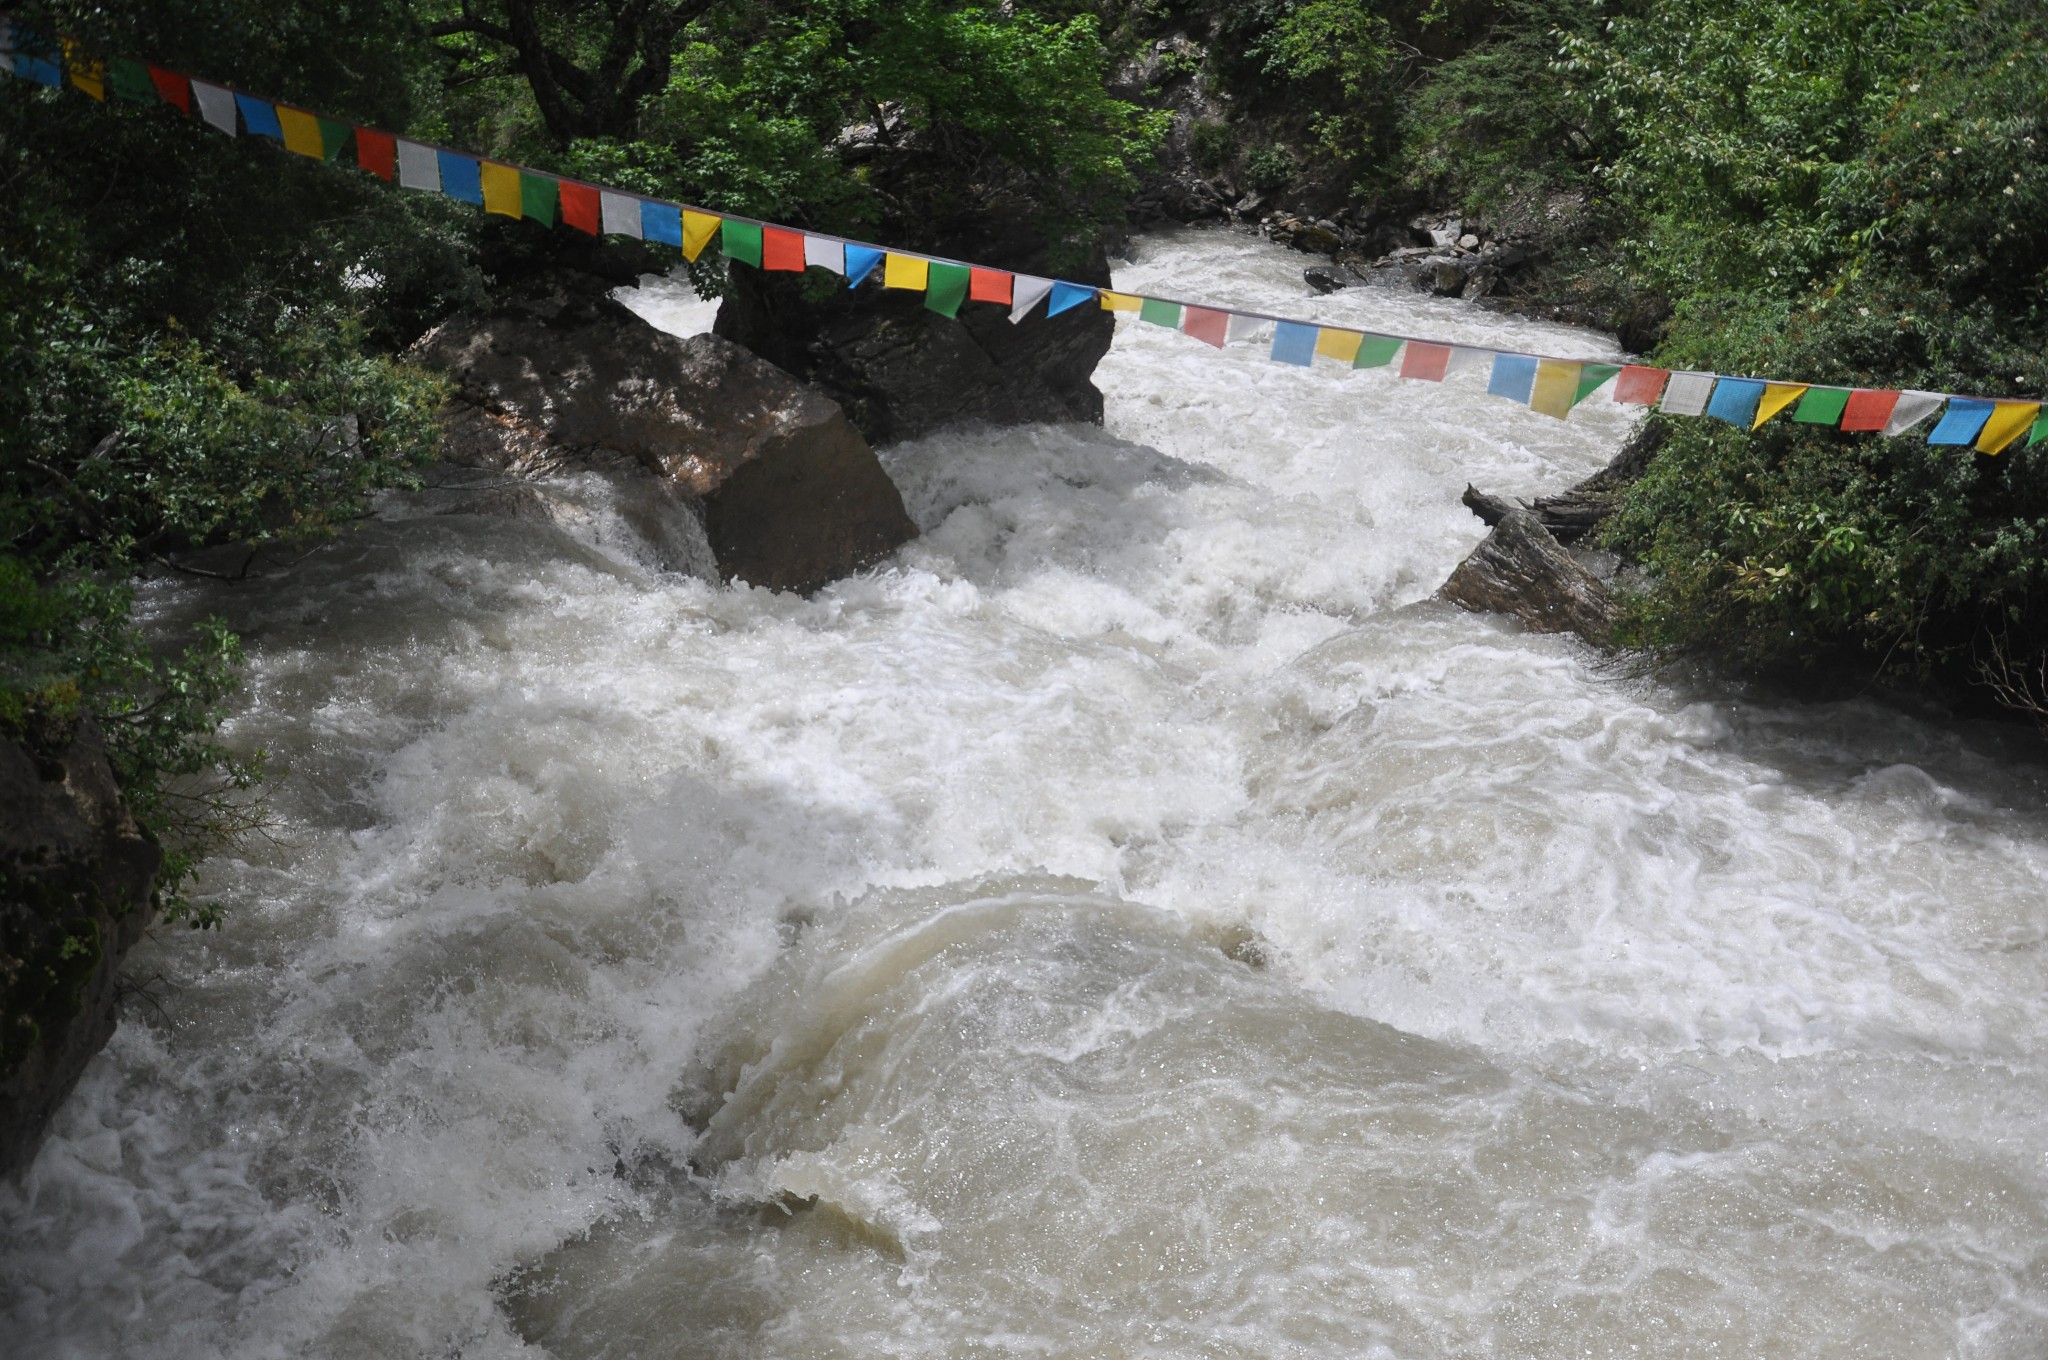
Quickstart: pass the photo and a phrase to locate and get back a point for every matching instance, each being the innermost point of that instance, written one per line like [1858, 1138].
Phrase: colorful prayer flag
[1735, 401]
[34, 57]
[910, 272]
[1777, 396]
[500, 188]
[259, 117]
[1377, 352]
[537, 197]
[822, 252]
[1026, 292]
[2008, 422]
[301, 131]
[129, 80]
[661, 223]
[1341, 345]
[1593, 377]
[1913, 408]
[1822, 406]
[741, 241]
[1868, 409]
[1962, 422]
[216, 106]
[1468, 359]
[990, 285]
[1066, 296]
[1425, 361]
[1246, 329]
[860, 262]
[1685, 394]
[1294, 343]
[1556, 387]
[946, 287]
[1640, 385]
[2040, 432]
[782, 250]
[1120, 302]
[1514, 377]
[1160, 313]
[619, 214]
[1206, 324]
[698, 229]
[461, 177]
[87, 72]
[172, 88]
[581, 207]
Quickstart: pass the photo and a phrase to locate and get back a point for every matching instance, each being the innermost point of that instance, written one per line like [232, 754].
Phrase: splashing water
[1134, 921]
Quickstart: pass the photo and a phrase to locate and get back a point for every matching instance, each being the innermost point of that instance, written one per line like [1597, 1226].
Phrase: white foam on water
[1133, 921]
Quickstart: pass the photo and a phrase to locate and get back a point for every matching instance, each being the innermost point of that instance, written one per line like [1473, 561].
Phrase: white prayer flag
[419, 167]
[1686, 394]
[216, 105]
[821, 252]
[621, 214]
[1243, 328]
[1025, 293]
[1913, 408]
[1465, 359]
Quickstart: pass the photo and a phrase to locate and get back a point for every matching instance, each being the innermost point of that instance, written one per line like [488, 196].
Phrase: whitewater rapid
[1133, 921]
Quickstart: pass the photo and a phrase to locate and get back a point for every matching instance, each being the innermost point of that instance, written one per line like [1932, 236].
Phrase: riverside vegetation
[198, 338]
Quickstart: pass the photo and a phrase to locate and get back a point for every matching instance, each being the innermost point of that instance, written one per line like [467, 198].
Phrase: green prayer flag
[1160, 313]
[741, 241]
[333, 137]
[945, 287]
[1591, 379]
[130, 80]
[537, 197]
[1376, 352]
[2040, 432]
[1821, 406]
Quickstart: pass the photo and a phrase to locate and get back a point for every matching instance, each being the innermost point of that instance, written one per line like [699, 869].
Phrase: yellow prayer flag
[1121, 302]
[906, 271]
[698, 229]
[2009, 420]
[1339, 345]
[501, 190]
[1557, 387]
[301, 132]
[87, 74]
[1776, 397]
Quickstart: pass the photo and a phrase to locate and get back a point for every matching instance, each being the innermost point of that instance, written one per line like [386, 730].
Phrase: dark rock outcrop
[1521, 570]
[561, 377]
[76, 878]
[901, 371]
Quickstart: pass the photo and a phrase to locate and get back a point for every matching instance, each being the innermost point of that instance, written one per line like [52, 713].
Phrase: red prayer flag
[1209, 327]
[580, 208]
[1425, 361]
[1640, 386]
[991, 285]
[782, 250]
[1868, 410]
[172, 88]
[377, 152]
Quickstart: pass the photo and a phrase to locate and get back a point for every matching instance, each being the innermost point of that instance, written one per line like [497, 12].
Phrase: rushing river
[1134, 921]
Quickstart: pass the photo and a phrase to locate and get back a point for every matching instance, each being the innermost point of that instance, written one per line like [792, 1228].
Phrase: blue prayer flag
[661, 222]
[1065, 295]
[1294, 343]
[1962, 422]
[1514, 377]
[1735, 401]
[35, 58]
[461, 177]
[860, 262]
[260, 118]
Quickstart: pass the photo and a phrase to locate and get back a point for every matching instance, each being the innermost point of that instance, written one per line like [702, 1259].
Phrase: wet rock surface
[76, 878]
[1521, 570]
[562, 378]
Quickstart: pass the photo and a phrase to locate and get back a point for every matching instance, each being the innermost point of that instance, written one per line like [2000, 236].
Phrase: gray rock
[76, 883]
[1468, 242]
[1324, 280]
[789, 494]
[1521, 570]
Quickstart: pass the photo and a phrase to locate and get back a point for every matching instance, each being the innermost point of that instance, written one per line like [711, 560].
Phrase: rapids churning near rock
[1133, 921]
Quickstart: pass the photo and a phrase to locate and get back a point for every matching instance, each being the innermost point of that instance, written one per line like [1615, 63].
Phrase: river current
[1135, 920]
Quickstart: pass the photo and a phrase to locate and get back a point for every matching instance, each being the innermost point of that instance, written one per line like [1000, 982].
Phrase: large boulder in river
[76, 883]
[1521, 570]
[789, 494]
[901, 371]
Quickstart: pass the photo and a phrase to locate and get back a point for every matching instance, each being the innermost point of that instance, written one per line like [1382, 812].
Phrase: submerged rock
[76, 878]
[1521, 570]
[790, 496]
